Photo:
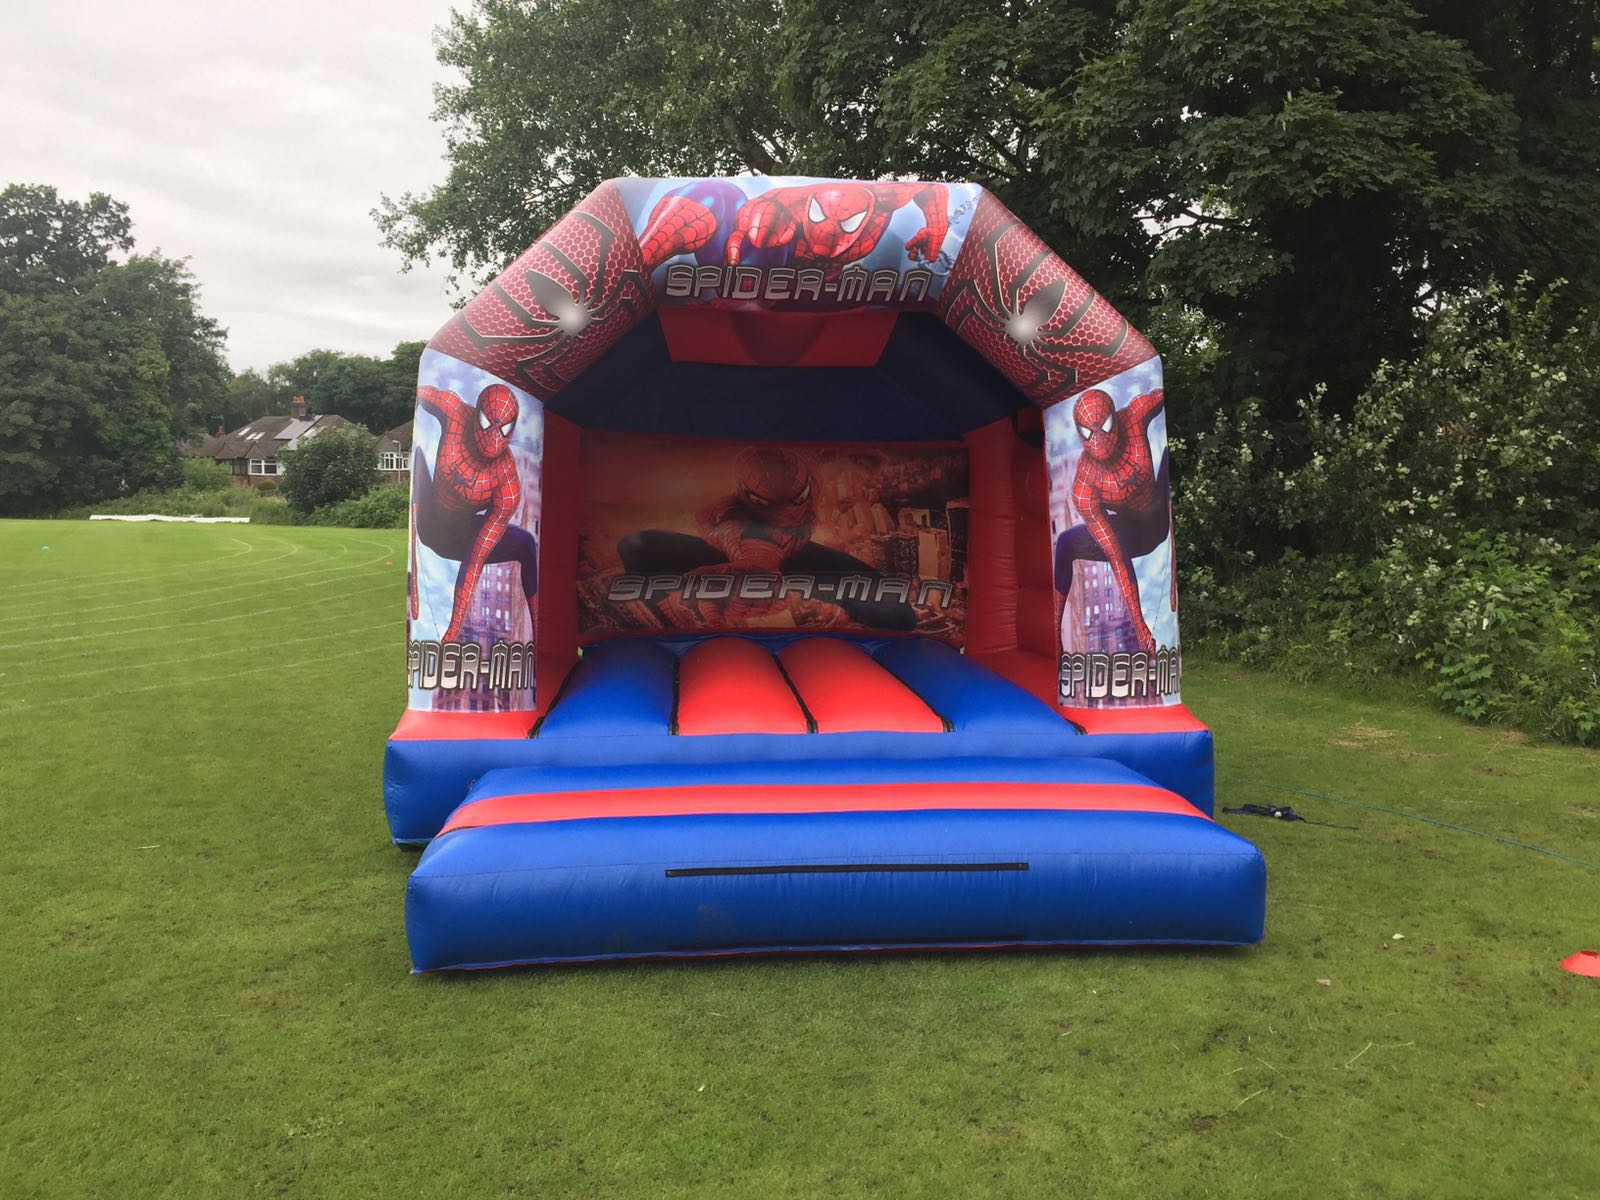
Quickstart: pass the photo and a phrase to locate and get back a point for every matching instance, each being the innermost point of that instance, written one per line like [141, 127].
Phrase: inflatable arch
[791, 569]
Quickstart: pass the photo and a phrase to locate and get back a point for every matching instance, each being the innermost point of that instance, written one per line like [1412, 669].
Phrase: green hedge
[384, 507]
[179, 502]
[1446, 526]
[206, 475]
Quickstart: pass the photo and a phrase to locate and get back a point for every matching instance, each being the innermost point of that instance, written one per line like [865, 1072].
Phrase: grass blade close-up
[207, 989]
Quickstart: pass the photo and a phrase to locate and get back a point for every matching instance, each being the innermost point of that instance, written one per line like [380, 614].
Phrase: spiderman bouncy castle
[792, 570]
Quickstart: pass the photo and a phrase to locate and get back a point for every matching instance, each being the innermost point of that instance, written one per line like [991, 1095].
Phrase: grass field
[204, 989]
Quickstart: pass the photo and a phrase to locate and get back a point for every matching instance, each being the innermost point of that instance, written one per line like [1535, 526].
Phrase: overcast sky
[252, 139]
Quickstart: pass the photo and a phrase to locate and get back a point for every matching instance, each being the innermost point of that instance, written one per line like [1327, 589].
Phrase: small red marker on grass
[1584, 962]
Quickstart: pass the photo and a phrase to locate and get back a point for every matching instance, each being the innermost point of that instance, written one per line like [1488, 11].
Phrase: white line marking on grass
[102, 582]
[108, 588]
[326, 607]
[243, 616]
[122, 668]
[255, 585]
[119, 693]
[174, 608]
[45, 585]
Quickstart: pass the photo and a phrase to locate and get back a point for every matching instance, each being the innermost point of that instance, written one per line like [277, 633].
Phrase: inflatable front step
[800, 699]
[574, 864]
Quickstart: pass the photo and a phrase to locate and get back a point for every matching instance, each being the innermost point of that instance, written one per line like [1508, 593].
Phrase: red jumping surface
[732, 685]
[847, 691]
[714, 800]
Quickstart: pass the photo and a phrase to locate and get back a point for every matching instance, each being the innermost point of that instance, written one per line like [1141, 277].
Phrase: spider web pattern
[1084, 342]
[593, 254]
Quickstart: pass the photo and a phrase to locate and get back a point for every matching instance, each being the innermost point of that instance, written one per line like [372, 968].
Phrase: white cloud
[252, 140]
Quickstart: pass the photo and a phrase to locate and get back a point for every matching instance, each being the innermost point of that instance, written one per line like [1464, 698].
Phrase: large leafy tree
[1282, 186]
[375, 392]
[339, 464]
[558, 96]
[49, 245]
[104, 360]
[356, 387]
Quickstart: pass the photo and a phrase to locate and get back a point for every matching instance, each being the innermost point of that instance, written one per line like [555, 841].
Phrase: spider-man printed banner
[475, 499]
[1111, 529]
[792, 243]
[683, 534]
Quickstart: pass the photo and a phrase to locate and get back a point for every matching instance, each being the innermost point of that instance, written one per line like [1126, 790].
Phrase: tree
[161, 296]
[103, 363]
[335, 465]
[1308, 175]
[374, 392]
[206, 475]
[400, 373]
[1304, 178]
[250, 395]
[354, 386]
[49, 245]
[557, 97]
[301, 374]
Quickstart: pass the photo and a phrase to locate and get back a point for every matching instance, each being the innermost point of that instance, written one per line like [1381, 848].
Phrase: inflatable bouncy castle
[791, 569]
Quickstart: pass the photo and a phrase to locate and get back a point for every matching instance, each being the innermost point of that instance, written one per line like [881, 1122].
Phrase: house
[254, 453]
[394, 454]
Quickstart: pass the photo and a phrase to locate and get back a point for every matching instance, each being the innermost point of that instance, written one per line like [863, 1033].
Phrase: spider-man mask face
[497, 417]
[834, 218]
[772, 479]
[1096, 418]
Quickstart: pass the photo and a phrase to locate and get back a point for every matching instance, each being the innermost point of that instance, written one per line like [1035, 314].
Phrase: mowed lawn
[204, 988]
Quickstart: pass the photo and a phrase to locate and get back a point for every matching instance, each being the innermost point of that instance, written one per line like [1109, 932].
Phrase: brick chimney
[297, 408]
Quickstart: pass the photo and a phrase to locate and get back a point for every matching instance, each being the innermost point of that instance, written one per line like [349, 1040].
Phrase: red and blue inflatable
[792, 570]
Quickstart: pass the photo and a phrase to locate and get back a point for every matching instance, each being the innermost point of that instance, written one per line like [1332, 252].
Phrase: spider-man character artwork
[834, 224]
[464, 506]
[763, 527]
[1123, 496]
[685, 221]
[1031, 315]
[813, 225]
[561, 304]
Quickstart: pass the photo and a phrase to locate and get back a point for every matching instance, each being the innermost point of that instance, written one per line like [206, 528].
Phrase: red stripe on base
[419, 725]
[800, 798]
[847, 691]
[1167, 718]
[732, 685]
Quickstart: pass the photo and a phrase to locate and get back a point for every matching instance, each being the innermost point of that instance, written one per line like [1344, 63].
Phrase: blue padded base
[674, 886]
[617, 708]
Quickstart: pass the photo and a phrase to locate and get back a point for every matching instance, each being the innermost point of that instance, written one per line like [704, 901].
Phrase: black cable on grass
[1411, 816]
[1281, 812]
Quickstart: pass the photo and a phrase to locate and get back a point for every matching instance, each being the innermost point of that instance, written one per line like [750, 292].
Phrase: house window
[263, 466]
[393, 460]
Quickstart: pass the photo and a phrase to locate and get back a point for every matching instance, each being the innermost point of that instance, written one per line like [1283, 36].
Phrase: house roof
[396, 440]
[269, 437]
